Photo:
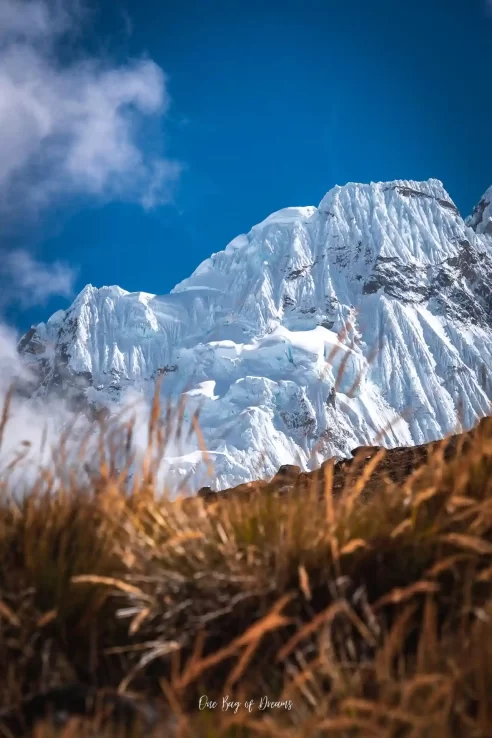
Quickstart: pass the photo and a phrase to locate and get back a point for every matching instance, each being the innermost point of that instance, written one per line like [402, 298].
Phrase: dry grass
[373, 618]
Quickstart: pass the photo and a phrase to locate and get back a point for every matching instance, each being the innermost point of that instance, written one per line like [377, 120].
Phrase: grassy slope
[374, 618]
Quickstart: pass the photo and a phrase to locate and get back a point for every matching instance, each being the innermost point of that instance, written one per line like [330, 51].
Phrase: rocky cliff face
[481, 218]
[304, 338]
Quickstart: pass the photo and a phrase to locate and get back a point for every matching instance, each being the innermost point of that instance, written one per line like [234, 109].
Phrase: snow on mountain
[481, 218]
[304, 338]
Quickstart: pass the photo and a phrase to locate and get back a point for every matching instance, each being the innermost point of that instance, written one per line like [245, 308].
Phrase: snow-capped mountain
[304, 338]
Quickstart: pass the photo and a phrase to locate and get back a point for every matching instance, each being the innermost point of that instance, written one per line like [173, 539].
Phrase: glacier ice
[365, 320]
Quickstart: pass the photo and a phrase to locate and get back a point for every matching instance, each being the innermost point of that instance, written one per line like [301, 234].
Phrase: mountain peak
[302, 339]
[430, 188]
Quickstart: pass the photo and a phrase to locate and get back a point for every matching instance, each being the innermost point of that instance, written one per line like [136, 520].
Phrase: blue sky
[265, 105]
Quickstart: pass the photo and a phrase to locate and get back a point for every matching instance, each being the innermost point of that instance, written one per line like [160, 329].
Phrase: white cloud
[34, 428]
[30, 282]
[74, 128]
[30, 19]
[29, 422]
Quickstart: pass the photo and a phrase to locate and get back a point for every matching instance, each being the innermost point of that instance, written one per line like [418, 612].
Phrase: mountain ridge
[302, 339]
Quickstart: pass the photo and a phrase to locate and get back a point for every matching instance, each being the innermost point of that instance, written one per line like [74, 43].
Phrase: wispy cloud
[29, 282]
[34, 426]
[127, 22]
[33, 20]
[74, 129]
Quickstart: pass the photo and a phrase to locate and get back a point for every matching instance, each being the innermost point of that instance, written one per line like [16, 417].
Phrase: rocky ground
[388, 467]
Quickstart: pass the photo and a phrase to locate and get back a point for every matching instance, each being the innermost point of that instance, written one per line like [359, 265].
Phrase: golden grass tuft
[371, 614]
